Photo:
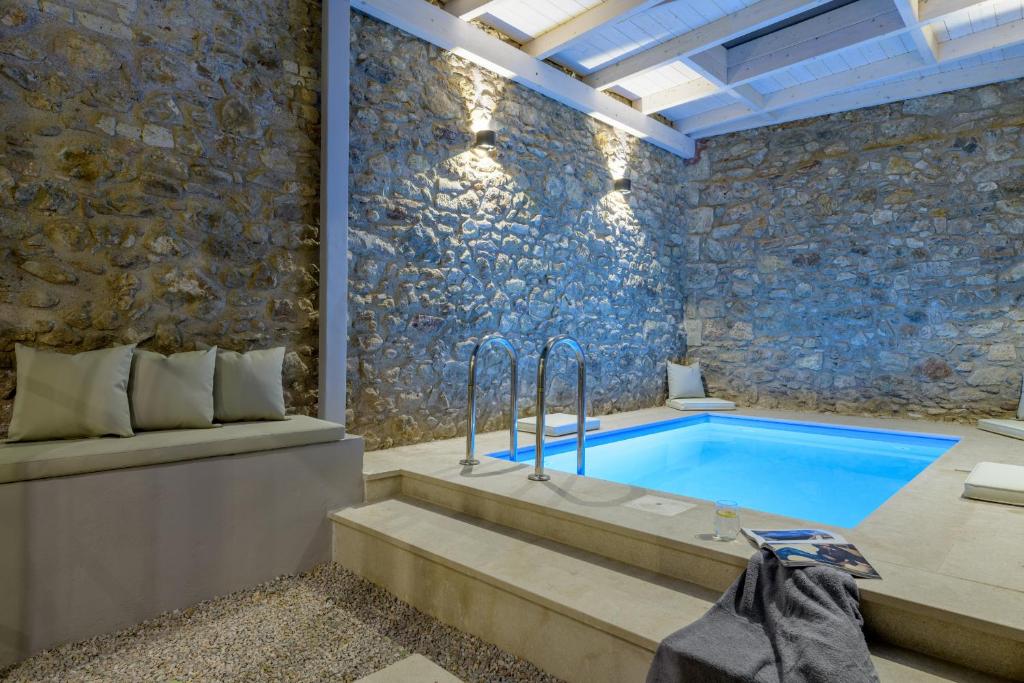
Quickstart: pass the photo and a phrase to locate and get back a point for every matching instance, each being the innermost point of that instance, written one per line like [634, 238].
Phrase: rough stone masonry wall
[866, 262]
[532, 243]
[159, 178]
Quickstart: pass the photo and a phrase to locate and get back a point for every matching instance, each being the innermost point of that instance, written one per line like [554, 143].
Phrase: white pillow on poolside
[172, 392]
[248, 386]
[68, 396]
[684, 381]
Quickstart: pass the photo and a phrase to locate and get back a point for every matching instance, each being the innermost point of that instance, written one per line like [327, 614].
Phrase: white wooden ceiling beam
[828, 91]
[888, 92]
[712, 64]
[752, 18]
[931, 10]
[938, 9]
[696, 89]
[923, 36]
[821, 35]
[997, 38]
[467, 10]
[719, 116]
[435, 25]
[582, 25]
[806, 92]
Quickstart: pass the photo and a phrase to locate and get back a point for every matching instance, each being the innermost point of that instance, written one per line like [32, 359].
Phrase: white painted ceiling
[969, 41]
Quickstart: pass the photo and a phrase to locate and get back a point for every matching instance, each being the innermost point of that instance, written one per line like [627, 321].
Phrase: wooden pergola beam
[583, 25]
[923, 35]
[467, 10]
[447, 31]
[879, 8]
[759, 15]
[826, 95]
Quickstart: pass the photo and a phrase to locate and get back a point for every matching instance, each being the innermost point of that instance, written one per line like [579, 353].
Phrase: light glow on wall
[482, 94]
[617, 148]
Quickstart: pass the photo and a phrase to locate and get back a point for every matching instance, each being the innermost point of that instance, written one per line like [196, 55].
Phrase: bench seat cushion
[41, 459]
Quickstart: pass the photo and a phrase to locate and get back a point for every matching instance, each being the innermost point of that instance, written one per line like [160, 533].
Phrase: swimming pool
[822, 473]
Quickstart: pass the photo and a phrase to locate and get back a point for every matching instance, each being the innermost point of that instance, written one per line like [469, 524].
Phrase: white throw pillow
[684, 381]
[248, 386]
[172, 392]
[67, 396]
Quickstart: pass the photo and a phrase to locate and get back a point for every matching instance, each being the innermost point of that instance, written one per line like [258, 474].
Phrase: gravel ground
[327, 625]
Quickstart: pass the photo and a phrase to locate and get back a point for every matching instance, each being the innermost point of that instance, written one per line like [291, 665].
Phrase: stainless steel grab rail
[581, 404]
[513, 437]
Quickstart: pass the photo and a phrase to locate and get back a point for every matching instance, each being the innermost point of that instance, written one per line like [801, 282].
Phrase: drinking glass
[727, 520]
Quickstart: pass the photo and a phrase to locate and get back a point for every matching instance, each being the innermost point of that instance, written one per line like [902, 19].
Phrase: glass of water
[727, 520]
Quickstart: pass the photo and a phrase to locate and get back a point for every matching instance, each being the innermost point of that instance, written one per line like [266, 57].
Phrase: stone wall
[448, 244]
[159, 178]
[866, 262]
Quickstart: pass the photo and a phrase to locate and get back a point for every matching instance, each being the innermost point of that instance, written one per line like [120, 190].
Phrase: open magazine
[811, 547]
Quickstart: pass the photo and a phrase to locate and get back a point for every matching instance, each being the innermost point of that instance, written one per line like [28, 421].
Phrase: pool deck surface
[933, 548]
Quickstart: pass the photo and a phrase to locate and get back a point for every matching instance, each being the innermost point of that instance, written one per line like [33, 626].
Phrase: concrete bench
[100, 534]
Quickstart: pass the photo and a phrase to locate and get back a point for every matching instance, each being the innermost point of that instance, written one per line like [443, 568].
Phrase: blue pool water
[832, 475]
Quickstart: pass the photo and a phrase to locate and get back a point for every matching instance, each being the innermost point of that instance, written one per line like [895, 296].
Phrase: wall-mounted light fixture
[623, 185]
[486, 139]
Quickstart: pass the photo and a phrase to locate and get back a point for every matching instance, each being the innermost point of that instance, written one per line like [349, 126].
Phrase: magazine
[811, 547]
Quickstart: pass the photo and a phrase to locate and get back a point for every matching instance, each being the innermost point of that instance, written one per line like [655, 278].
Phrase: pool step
[954, 626]
[575, 614]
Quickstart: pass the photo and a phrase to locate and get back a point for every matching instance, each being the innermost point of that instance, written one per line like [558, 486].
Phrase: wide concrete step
[580, 616]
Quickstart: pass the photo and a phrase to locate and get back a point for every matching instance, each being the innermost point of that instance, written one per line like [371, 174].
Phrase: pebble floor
[327, 625]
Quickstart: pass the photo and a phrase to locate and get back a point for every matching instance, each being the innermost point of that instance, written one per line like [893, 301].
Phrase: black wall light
[486, 139]
[623, 185]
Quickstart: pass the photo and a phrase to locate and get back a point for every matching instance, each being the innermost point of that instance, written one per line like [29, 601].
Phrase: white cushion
[248, 386]
[41, 459]
[684, 381]
[996, 482]
[1011, 428]
[66, 396]
[557, 424]
[700, 404]
[172, 392]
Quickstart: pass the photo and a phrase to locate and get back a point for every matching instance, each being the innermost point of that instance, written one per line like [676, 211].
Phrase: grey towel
[773, 625]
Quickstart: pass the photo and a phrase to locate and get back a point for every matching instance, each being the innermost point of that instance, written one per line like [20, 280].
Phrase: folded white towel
[996, 482]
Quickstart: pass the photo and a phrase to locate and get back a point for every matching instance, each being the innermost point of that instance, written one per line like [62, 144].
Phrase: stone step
[958, 626]
[412, 669]
[579, 616]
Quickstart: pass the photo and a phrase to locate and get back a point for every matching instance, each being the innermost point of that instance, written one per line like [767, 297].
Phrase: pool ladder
[513, 437]
[542, 369]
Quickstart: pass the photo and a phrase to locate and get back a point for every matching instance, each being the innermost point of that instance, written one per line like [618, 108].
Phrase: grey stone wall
[448, 245]
[159, 178]
[866, 262]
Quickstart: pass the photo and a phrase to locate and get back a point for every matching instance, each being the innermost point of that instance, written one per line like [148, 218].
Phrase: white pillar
[334, 102]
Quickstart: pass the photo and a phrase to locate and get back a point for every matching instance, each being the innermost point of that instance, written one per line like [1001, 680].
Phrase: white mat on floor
[1011, 428]
[700, 404]
[557, 424]
[996, 482]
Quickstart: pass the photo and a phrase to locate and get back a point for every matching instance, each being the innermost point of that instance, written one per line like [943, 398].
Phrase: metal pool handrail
[581, 404]
[513, 436]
